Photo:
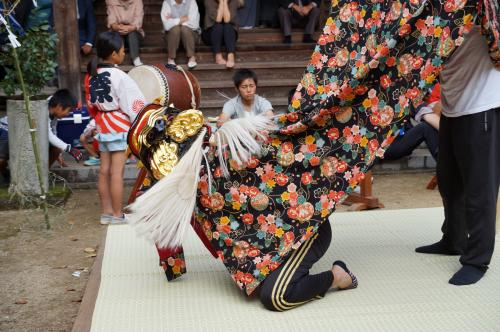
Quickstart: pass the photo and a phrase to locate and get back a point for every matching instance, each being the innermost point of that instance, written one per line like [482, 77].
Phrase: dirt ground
[37, 288]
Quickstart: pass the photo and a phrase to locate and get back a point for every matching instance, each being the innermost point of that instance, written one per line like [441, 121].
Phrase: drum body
[166, 85]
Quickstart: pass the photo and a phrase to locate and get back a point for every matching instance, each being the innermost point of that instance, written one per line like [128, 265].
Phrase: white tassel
[240, 135]
[164, 212]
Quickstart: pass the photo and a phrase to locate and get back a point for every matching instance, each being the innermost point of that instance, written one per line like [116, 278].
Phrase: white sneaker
[118, 220]
[105, 219]
[192, 63]
[171, 62]
[137, 62]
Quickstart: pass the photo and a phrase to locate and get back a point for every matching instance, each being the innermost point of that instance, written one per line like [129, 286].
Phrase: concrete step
[420, 159]
[278, 53]
[213, 106]
[270, 88]
[265, 70]
[155, 36]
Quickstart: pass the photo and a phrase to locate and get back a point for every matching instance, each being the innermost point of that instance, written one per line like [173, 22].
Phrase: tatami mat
[399, 289]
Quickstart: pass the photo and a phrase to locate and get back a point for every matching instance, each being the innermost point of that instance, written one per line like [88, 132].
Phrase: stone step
[78, 175]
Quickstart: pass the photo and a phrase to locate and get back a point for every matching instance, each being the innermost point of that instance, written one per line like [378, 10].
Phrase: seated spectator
[125, 17]
[295, 13]
[247, 102]
[221, 28]
[426, 130]
[181, 21]
[86, 25]
[60, 105]
[247, 14]
[90, 144]
[267, 13]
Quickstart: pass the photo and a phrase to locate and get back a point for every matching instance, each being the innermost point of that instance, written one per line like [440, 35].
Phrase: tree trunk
[24, 178]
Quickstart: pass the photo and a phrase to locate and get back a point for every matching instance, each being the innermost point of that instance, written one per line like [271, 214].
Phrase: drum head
[151, 82]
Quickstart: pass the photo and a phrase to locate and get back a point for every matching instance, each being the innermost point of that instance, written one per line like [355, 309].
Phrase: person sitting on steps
[293, 13]
[181, 21]
[125, 17]
[221, 28]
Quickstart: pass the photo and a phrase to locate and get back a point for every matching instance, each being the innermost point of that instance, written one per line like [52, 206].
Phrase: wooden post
[68, 50]
[364, 200]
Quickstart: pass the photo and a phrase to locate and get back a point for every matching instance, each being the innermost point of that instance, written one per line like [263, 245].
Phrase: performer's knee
[268, 300]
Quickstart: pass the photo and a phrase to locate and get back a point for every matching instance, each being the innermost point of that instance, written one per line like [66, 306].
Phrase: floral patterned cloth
[374, 61]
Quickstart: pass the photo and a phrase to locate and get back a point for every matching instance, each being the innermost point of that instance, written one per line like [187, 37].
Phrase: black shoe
[467, 275]
[287, 40]
[308, 39]
[438, 248]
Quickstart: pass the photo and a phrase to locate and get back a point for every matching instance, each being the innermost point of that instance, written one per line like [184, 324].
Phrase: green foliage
[38, 58]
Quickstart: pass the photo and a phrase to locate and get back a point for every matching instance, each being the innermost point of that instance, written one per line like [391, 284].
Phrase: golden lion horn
[186, 124]
[166, 155]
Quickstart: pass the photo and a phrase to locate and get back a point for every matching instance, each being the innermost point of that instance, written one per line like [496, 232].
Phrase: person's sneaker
[92, 161]
[171, 62]
[118, 220]
[106, 219]
[192, 63]
[287, 40]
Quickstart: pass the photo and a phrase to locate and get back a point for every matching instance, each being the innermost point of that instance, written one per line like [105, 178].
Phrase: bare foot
[219, 59]
[341, 279]
[230, 60]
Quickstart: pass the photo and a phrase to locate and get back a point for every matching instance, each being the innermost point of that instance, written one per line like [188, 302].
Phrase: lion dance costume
[258, 192]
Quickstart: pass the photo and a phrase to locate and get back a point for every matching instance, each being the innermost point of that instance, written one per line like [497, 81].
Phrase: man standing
[86, 25]
[469, 158]
[293, 13]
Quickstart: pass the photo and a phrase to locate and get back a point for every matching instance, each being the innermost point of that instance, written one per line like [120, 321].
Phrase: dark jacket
[286, 3]
[86, 22]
